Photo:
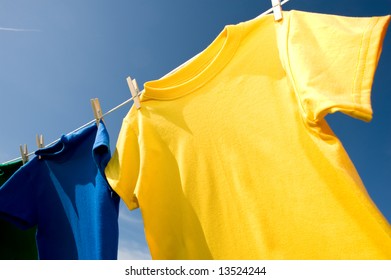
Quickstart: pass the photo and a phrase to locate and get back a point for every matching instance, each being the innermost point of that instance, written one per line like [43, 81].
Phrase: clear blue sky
[57, 55]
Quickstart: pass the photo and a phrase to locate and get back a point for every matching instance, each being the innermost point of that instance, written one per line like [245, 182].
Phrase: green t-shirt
[15, 244]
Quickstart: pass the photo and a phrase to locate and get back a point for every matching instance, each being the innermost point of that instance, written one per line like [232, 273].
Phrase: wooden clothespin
[24, 153]
[39, 139]
[40, 144]
[277, 10]
[133, 87]
[97, 110]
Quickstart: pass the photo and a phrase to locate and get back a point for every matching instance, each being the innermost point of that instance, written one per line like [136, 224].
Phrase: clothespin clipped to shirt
[277, 10]
[24, 153]
[133, 87]
[97, 110]
[40, 144]
[39, 139]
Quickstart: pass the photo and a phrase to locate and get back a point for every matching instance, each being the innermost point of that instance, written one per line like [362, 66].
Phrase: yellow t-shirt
[230, 157]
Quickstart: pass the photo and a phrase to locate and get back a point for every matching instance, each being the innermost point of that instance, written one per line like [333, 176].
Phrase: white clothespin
[134, 91]
[97, 110]
[24, 153]
[277, 10]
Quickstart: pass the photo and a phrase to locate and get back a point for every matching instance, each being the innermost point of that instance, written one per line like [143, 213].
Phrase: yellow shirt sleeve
[123, 168]
[331, 61]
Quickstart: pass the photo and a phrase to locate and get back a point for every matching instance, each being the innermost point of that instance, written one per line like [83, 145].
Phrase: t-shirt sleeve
[123, 168]
[18, 198]
[101, 148]
[331, 61]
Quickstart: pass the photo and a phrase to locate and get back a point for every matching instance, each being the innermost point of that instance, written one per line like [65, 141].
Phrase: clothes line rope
[271, 9]
[132, 98]
[81, 127]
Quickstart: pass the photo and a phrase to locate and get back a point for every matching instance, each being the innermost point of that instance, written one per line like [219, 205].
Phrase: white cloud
[125, 216]
[132, 253]
[18, 29]
[132, 244]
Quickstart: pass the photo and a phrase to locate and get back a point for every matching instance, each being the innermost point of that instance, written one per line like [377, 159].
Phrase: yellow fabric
[230, 156]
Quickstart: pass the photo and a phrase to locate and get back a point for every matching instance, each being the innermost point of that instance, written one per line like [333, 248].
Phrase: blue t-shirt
[65, 194]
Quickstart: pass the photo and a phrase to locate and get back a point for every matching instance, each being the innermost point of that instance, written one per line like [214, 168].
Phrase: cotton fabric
[230, 157]
[64, 193]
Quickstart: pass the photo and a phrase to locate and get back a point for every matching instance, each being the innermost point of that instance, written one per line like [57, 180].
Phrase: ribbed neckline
[198, 71]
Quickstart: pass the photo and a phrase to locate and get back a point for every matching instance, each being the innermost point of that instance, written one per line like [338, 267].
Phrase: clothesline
[81, 127]
[133, 97]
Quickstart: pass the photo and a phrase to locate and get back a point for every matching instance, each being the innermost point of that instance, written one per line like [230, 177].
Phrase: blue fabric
[65, 194]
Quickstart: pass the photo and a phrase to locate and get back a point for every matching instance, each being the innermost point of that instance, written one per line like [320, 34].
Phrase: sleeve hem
[122, 170]
[369, 56]
[130, 201]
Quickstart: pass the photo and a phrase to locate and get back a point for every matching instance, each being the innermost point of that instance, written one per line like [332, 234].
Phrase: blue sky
[57, 55]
